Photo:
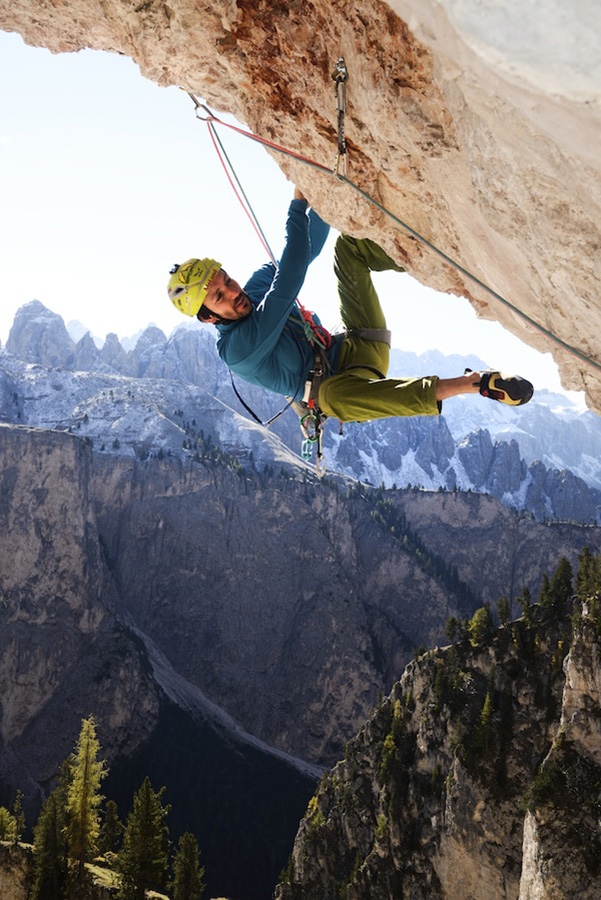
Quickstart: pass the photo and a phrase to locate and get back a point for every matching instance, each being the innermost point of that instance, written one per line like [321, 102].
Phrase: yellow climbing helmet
[189, 284]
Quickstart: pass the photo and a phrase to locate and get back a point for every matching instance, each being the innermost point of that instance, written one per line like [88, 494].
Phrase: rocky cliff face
[169, 596]
[68, 648]
[57, 637]
[476, 126]
[15, 871]
[478, 777]
[228, 610]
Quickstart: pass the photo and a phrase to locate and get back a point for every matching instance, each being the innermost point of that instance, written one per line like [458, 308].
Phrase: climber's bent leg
[355, 396]
[354, 259]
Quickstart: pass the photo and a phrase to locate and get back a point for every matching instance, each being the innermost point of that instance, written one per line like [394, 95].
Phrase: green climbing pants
[355, 393]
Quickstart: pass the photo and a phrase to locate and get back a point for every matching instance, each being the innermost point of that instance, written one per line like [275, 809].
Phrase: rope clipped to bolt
[340, 77]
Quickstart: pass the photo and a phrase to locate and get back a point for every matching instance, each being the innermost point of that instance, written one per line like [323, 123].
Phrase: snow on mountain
[555, 429]
[77, 330]
[136, 417]
[173, 396]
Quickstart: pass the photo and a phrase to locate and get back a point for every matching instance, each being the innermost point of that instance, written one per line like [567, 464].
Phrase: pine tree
[503, 610]
[17, 811]
[585, 575]
[452, 628]
[8, 825]
[83, 802]
[556, 593]
[111, 830]
[187, 872]
[480, 627]
[525, 601]
[50, 858]
[588, 583]
[545, 599]
[483, 735]
[143, 860]
[588, 577]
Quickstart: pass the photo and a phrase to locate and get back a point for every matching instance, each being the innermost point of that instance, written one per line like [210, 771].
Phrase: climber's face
[226, 299]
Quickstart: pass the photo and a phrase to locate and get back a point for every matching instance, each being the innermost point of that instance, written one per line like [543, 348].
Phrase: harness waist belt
[372, 334]
[321, 367]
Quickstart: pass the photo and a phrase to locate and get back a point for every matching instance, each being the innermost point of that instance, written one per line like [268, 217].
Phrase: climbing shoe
[511, 389]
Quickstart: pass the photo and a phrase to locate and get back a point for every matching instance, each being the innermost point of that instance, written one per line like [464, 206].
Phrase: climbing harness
[311, 417]
[211, 120]
[340, 77]
[372, 334]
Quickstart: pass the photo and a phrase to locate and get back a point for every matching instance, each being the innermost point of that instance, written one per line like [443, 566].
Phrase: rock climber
[263, 336]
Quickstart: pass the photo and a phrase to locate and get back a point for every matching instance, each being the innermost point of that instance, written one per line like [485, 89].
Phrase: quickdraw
[311, 417]
[312, 427]
[340, 77]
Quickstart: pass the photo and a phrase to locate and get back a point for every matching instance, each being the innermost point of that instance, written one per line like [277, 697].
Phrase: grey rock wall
[478, 777]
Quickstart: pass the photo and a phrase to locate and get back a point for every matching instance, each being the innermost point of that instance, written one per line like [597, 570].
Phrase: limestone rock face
[475, 124]
[15, 871]
[478, 777]
[57, 637]
[571, 768]
[230, 610]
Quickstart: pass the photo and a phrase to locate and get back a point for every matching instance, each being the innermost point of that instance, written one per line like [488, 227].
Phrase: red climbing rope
[314, 332]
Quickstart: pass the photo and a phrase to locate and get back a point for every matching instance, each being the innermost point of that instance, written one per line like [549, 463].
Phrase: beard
[242, 306]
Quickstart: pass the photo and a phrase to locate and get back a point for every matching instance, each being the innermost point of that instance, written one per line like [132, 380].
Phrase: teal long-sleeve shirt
[269, 347]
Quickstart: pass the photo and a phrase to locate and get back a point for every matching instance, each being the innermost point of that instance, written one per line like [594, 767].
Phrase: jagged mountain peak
[39, 335]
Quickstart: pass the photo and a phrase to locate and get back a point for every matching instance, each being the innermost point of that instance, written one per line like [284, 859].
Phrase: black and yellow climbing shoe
[511, 389]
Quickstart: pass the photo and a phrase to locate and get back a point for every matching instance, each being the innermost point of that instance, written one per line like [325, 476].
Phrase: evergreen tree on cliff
[555, 593]
[588, 578]
[111, 830]
[17, 811]
[144, 858]
[50, 858]
[8, 825]
[187, 872]
[83, 803]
